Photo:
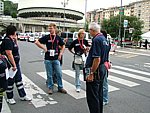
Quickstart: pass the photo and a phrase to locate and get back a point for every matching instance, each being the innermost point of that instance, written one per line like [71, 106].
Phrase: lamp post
[120, 37]
[85, 13]
[64, 5]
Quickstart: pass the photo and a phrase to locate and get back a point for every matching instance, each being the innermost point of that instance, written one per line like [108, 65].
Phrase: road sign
[125, 23]
[131, 30]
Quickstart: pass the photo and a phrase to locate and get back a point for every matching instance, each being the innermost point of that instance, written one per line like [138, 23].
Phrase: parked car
[87, 37]
[68, 37]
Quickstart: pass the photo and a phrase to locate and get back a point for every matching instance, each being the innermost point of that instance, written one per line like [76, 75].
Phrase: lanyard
[52, 40]
[98, 35]
[81, 44]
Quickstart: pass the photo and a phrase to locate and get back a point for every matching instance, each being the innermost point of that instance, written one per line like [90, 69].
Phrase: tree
[10, 9]
[112, 26]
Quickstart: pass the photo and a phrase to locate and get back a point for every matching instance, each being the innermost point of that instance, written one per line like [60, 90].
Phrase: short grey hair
[94, 26]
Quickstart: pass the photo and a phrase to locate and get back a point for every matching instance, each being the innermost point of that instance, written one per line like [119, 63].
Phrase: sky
[96, 4]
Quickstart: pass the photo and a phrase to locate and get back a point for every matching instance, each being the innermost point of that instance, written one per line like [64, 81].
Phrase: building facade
[140, 9]
[62, 12]
[1, 7]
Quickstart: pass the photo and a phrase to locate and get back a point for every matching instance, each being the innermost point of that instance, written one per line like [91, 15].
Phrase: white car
[31, 37]
[87, 37]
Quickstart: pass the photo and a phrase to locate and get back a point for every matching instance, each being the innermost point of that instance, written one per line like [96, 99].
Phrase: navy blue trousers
[19, 84]
[94, 92]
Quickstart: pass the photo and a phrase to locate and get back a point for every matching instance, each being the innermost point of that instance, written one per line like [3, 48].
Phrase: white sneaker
[78, 90]
[105, 103]
[25, 98]
[11, 101]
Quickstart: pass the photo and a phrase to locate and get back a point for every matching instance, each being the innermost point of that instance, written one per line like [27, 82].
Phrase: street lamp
[85, 13]
[120, 37]
[64, 5]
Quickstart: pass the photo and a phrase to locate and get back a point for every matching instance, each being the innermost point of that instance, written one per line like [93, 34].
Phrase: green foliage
[10, 9]
[112, 26]
[86, 26]
[73, 29]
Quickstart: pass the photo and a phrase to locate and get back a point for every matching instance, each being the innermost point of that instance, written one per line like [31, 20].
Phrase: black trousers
[94, 92]
[1, 100]
[19, 84]
[3, 87]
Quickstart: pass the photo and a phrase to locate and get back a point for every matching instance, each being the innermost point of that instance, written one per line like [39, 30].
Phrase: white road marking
[36, 93]
[112, 88]
[127, 55]
[130, 75]
[72, 74]
[122, 81]
[68, 86]
[146, 64]
[142, 54]
[5, 107]
[132, 70]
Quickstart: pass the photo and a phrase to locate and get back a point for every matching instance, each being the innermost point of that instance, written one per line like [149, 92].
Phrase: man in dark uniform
[10, 48]
[95, 61]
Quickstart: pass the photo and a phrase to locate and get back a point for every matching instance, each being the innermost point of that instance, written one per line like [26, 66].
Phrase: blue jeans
[77, 75]
[53, 65]
[105, 88]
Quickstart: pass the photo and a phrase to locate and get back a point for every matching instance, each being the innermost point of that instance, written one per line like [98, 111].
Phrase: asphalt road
[129, 81]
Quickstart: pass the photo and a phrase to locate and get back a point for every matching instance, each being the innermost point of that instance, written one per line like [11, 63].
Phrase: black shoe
[62, 91]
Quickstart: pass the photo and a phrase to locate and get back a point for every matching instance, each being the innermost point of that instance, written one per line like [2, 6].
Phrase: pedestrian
[95, 62]
[11, 50]
[3, 81]
[107, 64]
[80, 47]
[53, 56]
[146, 43]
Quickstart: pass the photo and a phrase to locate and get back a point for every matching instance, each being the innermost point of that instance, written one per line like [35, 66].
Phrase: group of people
[97, 60]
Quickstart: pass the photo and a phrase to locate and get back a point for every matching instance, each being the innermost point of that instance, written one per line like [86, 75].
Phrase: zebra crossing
[41, 98]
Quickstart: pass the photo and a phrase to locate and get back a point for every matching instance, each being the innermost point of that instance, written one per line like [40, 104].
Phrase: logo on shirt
[105, 43]
[77, 44]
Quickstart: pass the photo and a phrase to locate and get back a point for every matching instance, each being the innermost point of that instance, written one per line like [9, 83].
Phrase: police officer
[95, 61]
[3, 81]
[10, 49]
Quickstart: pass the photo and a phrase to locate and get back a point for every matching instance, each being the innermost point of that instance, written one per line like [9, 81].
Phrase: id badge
[52, 52]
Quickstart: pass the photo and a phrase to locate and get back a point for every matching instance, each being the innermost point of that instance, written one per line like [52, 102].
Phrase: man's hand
[60, 56]
[90, 78]
[14, 68]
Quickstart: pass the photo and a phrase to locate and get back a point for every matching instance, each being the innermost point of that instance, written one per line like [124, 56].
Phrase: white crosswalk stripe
[132, 70]
[122, 81]
[147, 65]
[127, 55]
[68, 86]
[72, 74]
[36, 93]
[145, 79]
